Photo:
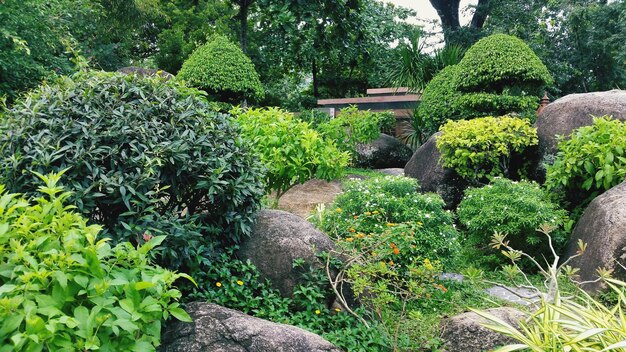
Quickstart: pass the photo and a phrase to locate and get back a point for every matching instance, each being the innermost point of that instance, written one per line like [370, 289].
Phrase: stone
[393, 171]
[302, 199]
[431, 175]
[464, 332]
[143, 72]
[218, 329]
[384, 152]
[603, 228]
[570, 112]
[278, 238]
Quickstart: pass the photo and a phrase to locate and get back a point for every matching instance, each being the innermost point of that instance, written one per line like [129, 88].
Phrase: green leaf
[180, 314]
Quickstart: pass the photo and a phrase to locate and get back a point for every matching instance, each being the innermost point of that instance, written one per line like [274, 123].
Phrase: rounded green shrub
[483, 147]
[144, 156]
[291, 151]
[413, 226]
[64, 289]
[513, 208]
[502, 62]
[592, 159]
[498, 75]
[220, 68]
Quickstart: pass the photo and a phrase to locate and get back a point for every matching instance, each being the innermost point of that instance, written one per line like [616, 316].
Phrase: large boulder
[219, 329]
[570, 112]
[278, 238]
[603, 228]
[464, 332]
[384, 152]
[431, 175]
[302, 199]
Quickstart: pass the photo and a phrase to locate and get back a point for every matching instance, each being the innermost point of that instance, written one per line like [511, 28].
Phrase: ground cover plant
[63, 287]
[143, 156]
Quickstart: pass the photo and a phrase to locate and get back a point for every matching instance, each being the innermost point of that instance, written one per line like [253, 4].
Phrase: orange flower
[360, 235]
[391, 262]
[356, 217]
[396, 251]
[352, 230]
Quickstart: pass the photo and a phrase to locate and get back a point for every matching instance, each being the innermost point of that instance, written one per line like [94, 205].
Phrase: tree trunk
[480, 15]
[315, 83]
[448, 11]
[244, 6]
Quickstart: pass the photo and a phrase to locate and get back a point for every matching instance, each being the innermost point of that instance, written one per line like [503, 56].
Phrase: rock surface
[140, 71]
[385, 152]
[464, 332]
[603, 228]
[432, 177]
[219, 329]
[570, 112]
[302, 199]
[278, 238]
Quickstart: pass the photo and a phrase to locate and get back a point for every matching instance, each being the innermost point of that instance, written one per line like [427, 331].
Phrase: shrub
[513, 208]
[143, 154]
[353, 126]
[292, 152]
[63, 289]
[314, 117]
[592, 159]
[223, 70]
[498, 75]
[484, 146]
[413, 226]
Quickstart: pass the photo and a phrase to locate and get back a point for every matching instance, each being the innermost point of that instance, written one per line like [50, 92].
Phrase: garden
[146, 155]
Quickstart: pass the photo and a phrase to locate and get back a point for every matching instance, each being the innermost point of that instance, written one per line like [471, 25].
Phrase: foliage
[353, 126]
[564, 322]
[416, 68]
[291, 151]
[503, 63]
[414, 225]
[314, 117]
[512, 208]
[501, 85]
[592, 159]
[143, 155]
[483, 147]
[222, 69]
[63, 289]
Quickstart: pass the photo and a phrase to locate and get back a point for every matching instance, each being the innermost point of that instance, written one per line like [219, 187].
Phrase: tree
[448, 11]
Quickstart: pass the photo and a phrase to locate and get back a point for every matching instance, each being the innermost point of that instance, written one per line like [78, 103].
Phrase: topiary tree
[221, 69]
[498, 75]
[144, 157]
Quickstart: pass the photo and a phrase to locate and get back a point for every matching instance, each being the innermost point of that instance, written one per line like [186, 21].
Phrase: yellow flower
[375, 212]
[360, 235]
[239, 282]
[349, 239]
[368, 213]
[390, 224]
[337, 310]
[352, 229]
[317, 311]
[338, 210]
[218, 284]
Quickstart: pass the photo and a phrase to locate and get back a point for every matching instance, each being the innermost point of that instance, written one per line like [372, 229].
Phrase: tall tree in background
[448, 12]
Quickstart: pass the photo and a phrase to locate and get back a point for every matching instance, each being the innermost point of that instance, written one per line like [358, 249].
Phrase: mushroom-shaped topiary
[501, 61]
[498, 75]
[221, 69]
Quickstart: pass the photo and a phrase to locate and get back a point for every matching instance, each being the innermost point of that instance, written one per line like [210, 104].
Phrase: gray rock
[394, 171]
[464, 332]
[219, 329]
[278, 238]
[603, 228]
[142, 72]
[385, 152]
[432, 177]
[570, 112]
[302, 199]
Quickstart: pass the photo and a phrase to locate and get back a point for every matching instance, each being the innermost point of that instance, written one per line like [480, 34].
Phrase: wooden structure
[399, 100]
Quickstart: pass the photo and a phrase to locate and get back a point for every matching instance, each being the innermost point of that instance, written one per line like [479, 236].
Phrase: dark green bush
[498, 75]
[513, 208]
[221, 69]
[64, 289]
[592, 160]
[143, 155]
